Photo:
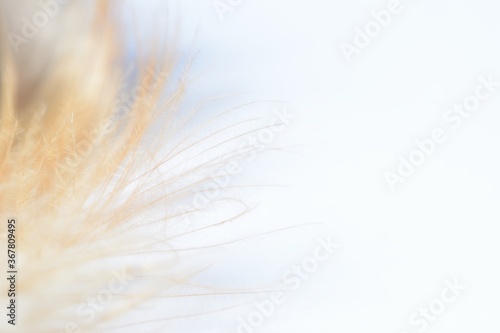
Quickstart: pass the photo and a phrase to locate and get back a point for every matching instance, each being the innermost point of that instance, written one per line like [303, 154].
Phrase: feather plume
[100, 203]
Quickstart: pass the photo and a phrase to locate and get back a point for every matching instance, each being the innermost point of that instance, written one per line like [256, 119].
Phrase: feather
[101, 206]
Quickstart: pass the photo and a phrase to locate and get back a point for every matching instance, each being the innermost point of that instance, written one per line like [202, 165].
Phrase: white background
[353, 121]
